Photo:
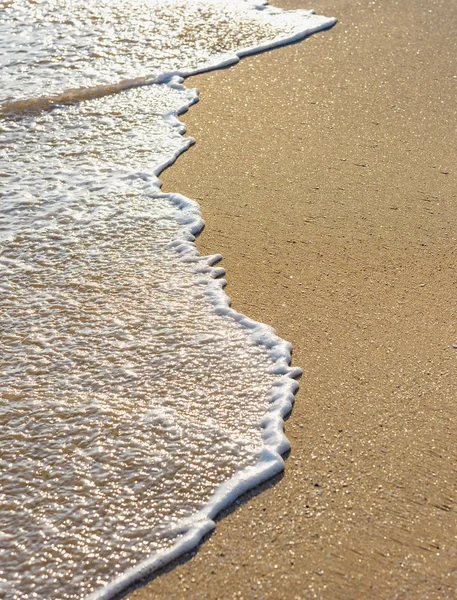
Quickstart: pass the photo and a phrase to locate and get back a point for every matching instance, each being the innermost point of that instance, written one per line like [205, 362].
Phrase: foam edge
[193, 529]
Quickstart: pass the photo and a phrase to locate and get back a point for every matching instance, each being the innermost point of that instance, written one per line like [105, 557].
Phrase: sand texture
[326, 172]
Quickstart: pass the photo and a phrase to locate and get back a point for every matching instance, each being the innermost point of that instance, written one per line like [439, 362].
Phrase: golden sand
[326, 172]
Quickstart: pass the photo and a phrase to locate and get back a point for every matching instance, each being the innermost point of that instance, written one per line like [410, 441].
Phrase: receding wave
[135, 402]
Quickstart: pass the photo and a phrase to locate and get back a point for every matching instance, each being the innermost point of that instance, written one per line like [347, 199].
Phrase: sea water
[135, 403]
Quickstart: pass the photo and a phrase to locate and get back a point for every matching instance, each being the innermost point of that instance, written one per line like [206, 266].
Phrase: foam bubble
[136, 403]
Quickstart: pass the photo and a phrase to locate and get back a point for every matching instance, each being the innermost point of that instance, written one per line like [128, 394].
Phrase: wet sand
[326, 172]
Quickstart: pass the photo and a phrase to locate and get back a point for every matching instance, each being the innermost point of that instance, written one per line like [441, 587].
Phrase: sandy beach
[326, 175]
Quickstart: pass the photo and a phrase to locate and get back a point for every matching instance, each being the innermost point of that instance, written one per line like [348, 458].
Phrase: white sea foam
[135, 402]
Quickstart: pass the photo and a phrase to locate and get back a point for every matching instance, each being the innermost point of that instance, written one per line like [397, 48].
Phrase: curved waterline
[279, 378]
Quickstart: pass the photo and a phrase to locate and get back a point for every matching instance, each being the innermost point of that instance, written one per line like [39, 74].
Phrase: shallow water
[129, 391]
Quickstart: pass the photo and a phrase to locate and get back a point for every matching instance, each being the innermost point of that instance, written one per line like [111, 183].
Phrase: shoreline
[333, 202]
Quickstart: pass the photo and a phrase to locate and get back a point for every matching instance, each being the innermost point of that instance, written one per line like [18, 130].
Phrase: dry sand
[326, 172]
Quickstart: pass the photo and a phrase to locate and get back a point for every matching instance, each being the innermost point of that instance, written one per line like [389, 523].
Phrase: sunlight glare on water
[126, 397]
[53, 45]
[116, 420]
